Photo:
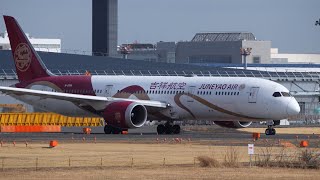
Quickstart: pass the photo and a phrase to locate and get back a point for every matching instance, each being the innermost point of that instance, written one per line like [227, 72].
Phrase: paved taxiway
[215, 135]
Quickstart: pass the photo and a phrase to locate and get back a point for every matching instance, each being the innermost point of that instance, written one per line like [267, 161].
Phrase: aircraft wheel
[267, 132]
[176, 129]
[168, 129]
[108, 129]
[161, 129]
[116, 130]
[270, 131]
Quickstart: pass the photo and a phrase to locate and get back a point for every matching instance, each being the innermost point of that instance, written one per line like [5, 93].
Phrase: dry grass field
[133, 161]
[164, 173]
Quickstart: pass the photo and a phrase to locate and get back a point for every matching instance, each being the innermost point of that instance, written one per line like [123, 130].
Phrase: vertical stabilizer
[27, 62]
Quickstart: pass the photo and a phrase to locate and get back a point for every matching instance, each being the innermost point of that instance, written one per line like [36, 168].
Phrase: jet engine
[125, 114]
[233, 124]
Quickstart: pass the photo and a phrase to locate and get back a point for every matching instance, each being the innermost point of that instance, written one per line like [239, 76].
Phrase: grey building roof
[223, 36]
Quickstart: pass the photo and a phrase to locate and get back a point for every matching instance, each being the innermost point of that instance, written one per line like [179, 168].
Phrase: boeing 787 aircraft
[129, 101]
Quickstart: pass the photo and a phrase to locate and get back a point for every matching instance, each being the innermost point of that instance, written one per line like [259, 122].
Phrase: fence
[278, 76]
[37, 163]
[264, 160]
[20, 119]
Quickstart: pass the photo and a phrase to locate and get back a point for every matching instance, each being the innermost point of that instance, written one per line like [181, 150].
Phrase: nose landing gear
[270, 130]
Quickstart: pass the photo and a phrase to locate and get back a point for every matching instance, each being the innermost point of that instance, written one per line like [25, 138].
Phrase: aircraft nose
[293, 108]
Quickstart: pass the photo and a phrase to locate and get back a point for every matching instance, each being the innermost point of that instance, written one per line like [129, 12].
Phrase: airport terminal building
[39, 44]
[217, 47]
[222, 47]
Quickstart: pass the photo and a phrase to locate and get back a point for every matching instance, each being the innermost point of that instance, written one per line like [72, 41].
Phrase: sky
[289, 24]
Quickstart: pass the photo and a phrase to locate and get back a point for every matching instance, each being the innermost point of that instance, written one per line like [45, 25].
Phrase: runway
[198, 134]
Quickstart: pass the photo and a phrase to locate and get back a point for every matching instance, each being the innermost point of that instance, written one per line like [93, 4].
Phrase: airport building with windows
[222, 47]
[39, 44]
[218, 48]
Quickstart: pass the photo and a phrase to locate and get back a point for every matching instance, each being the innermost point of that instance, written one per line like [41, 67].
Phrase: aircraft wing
[97, 102]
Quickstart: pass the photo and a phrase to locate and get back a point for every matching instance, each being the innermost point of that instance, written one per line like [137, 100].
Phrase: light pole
[244, 53]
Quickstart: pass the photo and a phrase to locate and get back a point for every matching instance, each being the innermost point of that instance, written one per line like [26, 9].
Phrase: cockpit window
[285, 94]
[276, 94]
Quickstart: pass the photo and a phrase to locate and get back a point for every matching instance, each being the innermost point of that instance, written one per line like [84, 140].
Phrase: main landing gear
[270, 130]
[108, 129]
[168, 128]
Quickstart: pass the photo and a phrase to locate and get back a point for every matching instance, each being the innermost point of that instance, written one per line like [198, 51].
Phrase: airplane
[129, 101]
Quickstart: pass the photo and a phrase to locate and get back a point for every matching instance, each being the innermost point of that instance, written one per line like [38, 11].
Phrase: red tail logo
[22, 57]
[28, 63]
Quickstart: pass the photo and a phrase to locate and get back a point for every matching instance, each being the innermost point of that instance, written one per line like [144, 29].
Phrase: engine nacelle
[233, 124]
[125, 114]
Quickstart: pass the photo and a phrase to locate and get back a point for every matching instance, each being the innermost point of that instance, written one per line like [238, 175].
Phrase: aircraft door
[108, 90]
[253, 95]
[191, 90]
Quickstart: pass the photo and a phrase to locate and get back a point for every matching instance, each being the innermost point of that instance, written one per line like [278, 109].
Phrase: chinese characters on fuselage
[168, 86]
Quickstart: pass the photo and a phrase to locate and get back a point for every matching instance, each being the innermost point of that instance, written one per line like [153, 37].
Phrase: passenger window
[285, 94]
[276, 94]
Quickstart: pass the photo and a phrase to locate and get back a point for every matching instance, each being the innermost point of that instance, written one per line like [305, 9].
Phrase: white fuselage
[202, 98]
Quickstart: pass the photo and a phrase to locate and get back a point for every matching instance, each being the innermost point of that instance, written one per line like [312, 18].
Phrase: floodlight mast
[244, 53]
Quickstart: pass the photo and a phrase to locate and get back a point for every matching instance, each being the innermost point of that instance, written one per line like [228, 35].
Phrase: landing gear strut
[168, 128]
[108, 129]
